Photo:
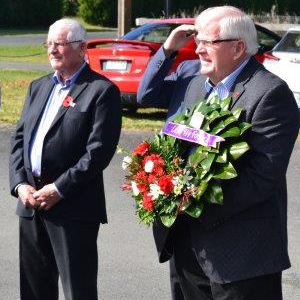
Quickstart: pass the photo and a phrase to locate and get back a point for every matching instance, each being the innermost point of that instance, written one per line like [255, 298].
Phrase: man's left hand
[47, 196]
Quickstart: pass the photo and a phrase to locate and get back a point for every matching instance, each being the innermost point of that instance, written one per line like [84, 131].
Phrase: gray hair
[76, 31]
[234, 23]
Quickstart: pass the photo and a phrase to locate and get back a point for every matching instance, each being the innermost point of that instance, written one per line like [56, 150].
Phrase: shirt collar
[223, 87]
[70, 81]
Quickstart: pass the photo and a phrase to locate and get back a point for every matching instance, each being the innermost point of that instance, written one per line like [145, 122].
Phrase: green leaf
[225, 171]
[238, 149]
[201, 189]
[205, 125]
[244, 126]
[207, 162]
[237, 112]
[220, 126]
[225, 103]
[168, 220]
[229, 120]
[170, 207]
[198, 171]
[196, 157]
[222, 157]
[156, 141]
[231, 132]
[213, 116]
[195, 210]
[214, 194]
[171, 141]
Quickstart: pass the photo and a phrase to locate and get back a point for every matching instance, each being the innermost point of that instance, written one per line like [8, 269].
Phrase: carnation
[127, 160]
[149, 165]
[134, 188]
[148, 202]
[166, 184]
[155, 191]
[141, 149]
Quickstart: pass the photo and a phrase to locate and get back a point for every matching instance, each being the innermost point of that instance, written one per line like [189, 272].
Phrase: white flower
[127, 160]
[177, 189]
[135, 190]
[149, 165]
[155, 191]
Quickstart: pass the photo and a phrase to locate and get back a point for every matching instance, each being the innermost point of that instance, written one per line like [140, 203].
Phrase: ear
[83, 49]
[239, 49]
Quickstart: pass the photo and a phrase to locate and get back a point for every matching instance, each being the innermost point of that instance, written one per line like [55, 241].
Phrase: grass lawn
[24, 53]
[14, 84]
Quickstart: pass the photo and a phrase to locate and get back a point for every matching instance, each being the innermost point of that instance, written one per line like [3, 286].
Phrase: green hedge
[104, 12]
[29, 13]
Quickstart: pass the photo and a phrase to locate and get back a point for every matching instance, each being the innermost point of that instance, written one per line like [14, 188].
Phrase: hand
[25, 194]
[178, 38]
[47, 196]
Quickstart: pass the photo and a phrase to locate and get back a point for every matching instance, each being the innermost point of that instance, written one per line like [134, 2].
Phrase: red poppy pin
[236, 94]
[68, 102]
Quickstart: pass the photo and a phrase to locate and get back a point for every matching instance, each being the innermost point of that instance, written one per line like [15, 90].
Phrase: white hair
[76, 31]
[233, 23]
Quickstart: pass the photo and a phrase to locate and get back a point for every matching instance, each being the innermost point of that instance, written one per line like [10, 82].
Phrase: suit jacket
[77, 148]
[247, 235]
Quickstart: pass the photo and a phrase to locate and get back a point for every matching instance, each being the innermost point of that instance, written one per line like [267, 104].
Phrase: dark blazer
[77, 148]
[247, 235]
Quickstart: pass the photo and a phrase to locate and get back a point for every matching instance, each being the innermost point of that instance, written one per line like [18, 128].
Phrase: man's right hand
[25, 192]
[178, 38]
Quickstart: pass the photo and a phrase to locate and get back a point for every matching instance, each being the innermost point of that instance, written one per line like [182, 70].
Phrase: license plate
[120, 65]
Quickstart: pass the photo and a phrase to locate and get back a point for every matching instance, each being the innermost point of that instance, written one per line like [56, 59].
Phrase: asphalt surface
[129, 268]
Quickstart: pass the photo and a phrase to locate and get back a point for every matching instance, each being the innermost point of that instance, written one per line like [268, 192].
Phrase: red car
[124, 60]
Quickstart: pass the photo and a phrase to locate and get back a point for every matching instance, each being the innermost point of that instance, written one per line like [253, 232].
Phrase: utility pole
[124, 17]
[168, 4]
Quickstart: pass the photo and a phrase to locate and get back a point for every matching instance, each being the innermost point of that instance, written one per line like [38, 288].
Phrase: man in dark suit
[237, 250]
[66, 137]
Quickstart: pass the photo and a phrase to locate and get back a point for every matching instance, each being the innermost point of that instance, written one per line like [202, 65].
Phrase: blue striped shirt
[222, 89]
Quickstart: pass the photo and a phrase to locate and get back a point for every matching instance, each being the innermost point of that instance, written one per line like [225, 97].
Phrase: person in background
[237, 250]
[65, 138]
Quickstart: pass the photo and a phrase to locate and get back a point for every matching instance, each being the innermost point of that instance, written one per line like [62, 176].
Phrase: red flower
[68, 102]
[157, 160]
[143, 188]
[148, 202]
[158, 171]
[141, 149]
[152, 178]
[141, 176]
[166, 185]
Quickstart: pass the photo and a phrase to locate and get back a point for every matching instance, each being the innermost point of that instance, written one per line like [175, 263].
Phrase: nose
[200, 48]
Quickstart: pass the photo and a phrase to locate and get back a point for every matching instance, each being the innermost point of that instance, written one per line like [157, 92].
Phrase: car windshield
[289, 43]
[155, 32]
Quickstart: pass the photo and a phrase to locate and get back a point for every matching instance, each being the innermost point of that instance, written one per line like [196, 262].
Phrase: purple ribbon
[190, 134]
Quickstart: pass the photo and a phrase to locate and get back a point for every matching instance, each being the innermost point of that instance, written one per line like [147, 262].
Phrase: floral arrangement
[172, 174]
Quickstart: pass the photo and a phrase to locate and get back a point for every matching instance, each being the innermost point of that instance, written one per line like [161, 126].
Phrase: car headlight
[297, 97]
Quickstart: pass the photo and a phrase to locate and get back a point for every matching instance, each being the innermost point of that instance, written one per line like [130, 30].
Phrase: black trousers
[52, 248]
[188, 281]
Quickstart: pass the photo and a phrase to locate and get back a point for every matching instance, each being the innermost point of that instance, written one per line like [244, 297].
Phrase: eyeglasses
[58, 44]
[210, 43]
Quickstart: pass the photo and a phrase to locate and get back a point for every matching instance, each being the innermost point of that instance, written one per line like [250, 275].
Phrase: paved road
[32, 39]
[128, 261]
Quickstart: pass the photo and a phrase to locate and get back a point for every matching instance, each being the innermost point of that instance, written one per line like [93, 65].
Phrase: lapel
[41, 101]
[195, 91]
[239, 85]
[79, 85]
